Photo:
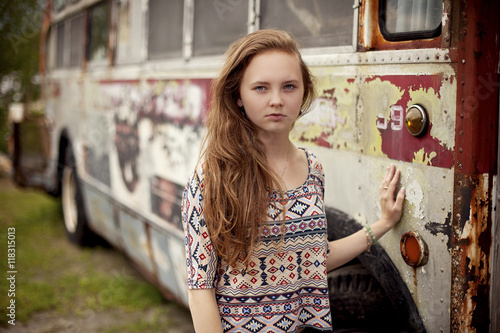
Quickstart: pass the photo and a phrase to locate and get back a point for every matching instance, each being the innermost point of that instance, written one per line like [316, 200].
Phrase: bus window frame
[407, 35]
[253, 24]
[169, 54]
[106, 61]
[371, 38]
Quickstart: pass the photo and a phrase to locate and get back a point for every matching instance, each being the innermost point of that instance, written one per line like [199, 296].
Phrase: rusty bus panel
[476, 149]
[471, 239]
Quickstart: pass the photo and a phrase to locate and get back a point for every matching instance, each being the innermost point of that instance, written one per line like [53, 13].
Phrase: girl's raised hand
[392, 205]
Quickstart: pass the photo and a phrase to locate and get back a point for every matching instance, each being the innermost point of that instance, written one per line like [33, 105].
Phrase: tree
[20, 26]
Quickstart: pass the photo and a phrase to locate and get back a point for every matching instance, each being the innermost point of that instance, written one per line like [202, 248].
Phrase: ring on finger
[386, 188]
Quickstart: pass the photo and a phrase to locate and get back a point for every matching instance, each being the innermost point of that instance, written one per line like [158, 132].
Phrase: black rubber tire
[358, 302]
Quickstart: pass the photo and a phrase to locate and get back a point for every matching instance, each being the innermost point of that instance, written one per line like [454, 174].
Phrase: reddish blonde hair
[237, 175]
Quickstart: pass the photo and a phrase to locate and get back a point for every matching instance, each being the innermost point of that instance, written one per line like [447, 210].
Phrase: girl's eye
[260, 88]
[289, 87]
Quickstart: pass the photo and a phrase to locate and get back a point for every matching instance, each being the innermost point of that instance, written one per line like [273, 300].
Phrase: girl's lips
[275, 116]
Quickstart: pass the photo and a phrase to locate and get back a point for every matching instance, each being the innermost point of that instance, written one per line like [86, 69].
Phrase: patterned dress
[284, 287]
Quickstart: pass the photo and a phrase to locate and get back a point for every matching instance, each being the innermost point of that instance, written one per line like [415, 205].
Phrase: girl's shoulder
[197, 179]
[315, 166]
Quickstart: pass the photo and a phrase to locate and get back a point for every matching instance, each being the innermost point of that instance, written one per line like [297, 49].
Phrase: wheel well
[64, 142]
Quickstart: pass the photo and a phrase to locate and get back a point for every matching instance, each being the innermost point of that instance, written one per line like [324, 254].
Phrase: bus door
[29, 145]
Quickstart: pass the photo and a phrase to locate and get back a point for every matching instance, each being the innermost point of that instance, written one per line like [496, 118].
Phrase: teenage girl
[253, 212]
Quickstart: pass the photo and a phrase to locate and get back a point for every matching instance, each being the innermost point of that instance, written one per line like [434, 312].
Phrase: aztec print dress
[284, 287]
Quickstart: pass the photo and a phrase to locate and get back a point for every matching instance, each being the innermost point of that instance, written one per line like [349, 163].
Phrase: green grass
[54, 275]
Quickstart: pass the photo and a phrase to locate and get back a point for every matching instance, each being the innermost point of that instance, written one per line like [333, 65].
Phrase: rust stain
[471, 242]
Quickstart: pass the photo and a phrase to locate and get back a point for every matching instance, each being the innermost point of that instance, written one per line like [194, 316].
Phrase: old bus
[126, 84]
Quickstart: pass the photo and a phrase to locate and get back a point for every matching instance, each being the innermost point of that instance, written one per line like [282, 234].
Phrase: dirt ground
[50, 322]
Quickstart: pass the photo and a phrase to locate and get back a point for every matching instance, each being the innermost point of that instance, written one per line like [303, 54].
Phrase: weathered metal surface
[169, 256]
[102, 210]
[471, 241]
[357, 130]
[476, 148]
[135, 238]
[365, 114]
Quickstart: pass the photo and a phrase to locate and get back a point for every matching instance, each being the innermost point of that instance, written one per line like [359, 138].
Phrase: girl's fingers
[390, 180]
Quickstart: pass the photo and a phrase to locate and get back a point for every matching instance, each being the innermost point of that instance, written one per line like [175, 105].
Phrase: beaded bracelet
[371, 234]
[368, 240]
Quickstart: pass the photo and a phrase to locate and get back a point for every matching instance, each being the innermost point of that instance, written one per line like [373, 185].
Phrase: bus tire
[358, 302]
[75, 219]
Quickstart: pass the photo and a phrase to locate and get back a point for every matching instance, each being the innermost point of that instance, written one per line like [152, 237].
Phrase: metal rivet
[443, 208]
[463, 61]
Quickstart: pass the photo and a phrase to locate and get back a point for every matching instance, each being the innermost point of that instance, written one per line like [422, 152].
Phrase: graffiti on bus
[160, 118]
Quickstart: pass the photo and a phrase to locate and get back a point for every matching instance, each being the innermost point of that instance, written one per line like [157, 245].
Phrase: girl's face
[271, 91]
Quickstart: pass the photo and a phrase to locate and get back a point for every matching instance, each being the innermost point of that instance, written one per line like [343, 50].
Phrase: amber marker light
[414, 250]
[416, 120]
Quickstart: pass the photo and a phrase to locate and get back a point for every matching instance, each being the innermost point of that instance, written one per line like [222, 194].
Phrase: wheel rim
[70, 210]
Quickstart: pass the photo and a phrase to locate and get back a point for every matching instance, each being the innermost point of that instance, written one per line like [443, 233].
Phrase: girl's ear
[240, 103]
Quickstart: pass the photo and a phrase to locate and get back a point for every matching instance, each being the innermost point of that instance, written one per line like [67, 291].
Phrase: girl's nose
[276, 99]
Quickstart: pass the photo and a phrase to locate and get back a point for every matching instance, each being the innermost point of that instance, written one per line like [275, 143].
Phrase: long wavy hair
[237, 174]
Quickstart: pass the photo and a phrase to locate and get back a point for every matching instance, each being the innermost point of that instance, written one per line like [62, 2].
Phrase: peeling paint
[415, 197]
[366, 114]
[423, 157]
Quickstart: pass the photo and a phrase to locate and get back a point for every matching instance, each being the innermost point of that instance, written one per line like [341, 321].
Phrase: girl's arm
[204, 311]
[345, 249]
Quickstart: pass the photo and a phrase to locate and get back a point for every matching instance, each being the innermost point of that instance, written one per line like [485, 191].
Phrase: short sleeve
[317, 172]
[201, 260]
[319, 175]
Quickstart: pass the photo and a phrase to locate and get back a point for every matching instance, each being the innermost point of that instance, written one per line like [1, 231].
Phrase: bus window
[410, 19]
[60, 45]
[217, 24]
[318, 23]
[165, 28]
[76, 42]
[98, 32]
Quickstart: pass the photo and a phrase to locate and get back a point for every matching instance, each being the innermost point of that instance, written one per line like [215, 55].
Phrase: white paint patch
[415, 197]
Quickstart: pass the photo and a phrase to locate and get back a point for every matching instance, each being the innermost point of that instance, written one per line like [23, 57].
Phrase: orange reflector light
[414, 250]
[416, 120]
